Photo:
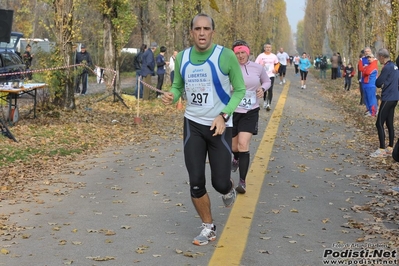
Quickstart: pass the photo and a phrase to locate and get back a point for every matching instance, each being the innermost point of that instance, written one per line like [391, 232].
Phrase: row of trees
[106, 26]
[348, 26]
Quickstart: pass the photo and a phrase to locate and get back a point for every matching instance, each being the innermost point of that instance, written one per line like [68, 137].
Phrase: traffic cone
[179, 105]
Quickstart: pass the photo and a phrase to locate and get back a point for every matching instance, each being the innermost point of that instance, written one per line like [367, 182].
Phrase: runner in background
[282, 58]
[296, 64]
[304, 65]
[270, 62]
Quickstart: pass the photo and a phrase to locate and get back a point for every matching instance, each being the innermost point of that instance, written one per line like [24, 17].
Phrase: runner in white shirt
[296, 64]
[282, 58]
[270, 62]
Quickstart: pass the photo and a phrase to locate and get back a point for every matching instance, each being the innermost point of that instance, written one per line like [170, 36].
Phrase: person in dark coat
[28, 57]
[148, 68]
[83, 57]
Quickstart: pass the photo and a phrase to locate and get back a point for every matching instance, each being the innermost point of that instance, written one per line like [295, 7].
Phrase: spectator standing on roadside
[359, 76]
[349, 73]
[334, 66]
[246, 116]
[28, 57]
[208, 72]
[161, 68]
[388, 82]
[271, 65]
[304, 65]
[317, 62]
[282, 58]
[148, 68]
[83, 57]
[369, 76]
[323, 67]
[138, 59]
[339, 65]
[172, 66]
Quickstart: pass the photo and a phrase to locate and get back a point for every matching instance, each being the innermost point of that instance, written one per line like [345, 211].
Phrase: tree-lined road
[132, 206]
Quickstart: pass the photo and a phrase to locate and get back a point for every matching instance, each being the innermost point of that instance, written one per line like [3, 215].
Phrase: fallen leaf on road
[4, 251]
[106, 258]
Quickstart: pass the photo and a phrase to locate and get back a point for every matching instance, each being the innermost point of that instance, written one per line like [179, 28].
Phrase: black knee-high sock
[244, 164]
[236, 155]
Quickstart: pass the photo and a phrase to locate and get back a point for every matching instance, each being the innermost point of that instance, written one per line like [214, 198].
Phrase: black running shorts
[247, 122]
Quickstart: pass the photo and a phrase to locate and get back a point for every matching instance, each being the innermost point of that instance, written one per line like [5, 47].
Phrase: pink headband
[241, 48]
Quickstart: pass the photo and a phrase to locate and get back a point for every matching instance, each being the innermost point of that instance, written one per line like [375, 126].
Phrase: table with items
[9, 94]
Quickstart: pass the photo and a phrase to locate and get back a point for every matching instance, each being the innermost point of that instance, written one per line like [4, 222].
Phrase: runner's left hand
[259, 92]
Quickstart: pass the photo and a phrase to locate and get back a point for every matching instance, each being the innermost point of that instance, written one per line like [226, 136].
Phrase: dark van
[10, 60]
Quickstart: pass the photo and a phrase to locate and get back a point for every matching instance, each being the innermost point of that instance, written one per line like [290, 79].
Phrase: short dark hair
[162, 49]
[202, 15]
[267, 43]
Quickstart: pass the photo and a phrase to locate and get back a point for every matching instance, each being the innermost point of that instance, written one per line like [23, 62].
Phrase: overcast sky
[295, 12]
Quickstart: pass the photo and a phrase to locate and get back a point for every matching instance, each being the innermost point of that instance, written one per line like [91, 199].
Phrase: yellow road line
[233, 240]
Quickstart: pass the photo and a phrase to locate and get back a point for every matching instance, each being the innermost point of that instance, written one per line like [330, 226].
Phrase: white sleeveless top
[207, 88]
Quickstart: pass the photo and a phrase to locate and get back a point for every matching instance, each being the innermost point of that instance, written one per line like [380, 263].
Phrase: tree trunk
[145, 23]
[391, 32]
[63, 31]
[170, 26]
[109, 53]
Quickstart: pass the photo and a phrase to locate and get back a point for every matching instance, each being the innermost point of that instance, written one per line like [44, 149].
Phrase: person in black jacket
[323, 67]
[388, 81]
[83, 57]
[138, 59]
[28, 57]
[148, 68]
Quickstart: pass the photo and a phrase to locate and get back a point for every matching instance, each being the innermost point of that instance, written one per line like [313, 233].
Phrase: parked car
[10, 59]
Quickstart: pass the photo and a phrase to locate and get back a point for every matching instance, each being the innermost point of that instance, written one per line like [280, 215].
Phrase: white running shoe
[283, 80]
[264, 105]
[379, 153]
[205, 236]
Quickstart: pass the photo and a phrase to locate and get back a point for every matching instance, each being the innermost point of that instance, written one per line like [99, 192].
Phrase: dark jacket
[349, 72]
[160, 64]
[138, 59]
[388, 80]
[27, 59]
[323, 63]
[148, 63]
[84, 58]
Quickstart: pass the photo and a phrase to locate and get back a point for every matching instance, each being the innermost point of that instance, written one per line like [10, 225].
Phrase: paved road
[131, 206]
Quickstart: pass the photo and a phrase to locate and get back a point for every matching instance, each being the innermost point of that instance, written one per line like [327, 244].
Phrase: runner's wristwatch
[225, 116]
